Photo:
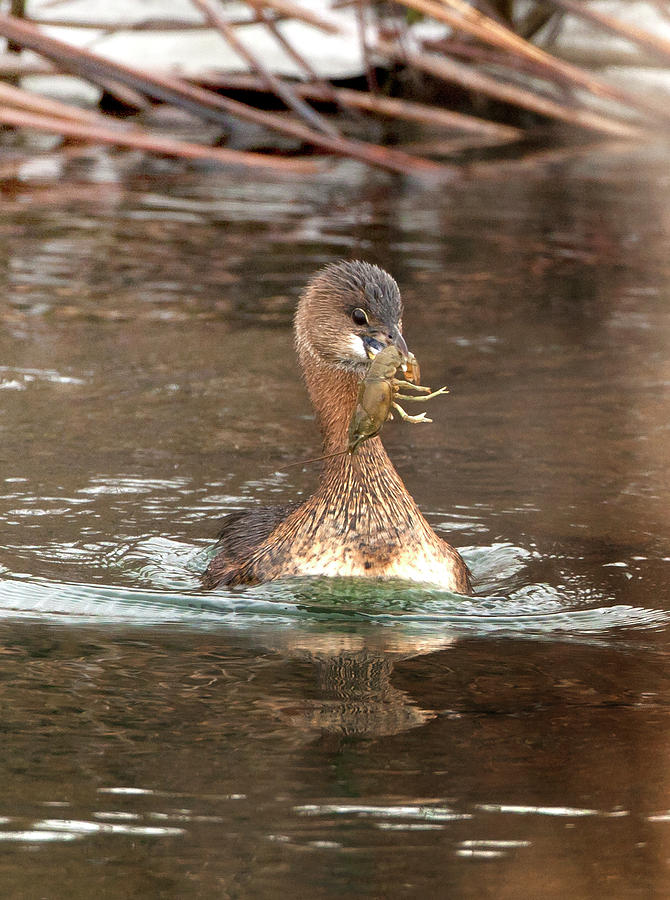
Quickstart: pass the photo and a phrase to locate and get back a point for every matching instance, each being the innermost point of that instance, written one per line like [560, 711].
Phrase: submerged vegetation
[434, 81]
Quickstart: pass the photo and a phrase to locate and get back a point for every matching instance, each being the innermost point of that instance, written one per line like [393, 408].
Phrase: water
[319, 737]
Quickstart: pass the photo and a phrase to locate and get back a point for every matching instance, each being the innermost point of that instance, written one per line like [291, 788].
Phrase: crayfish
[380, 391]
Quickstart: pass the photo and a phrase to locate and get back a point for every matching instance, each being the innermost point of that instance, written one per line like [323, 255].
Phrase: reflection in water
[354, 691]
[265, 743]
[357, 697]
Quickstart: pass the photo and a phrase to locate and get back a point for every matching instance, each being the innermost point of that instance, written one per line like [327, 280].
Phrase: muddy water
[321, 738]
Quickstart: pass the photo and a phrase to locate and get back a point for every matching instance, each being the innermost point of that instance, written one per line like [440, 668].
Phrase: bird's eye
[359, 316]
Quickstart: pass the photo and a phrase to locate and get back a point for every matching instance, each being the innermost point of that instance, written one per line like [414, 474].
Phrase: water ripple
[76, 827]
[18, 378]
[423, 813]
[31, 836]
[413, 612]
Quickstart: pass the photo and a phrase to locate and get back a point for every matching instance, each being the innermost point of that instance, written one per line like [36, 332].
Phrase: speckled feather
[241, 533]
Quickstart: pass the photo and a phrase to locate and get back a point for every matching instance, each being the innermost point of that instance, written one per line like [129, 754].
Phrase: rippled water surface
[325, 738]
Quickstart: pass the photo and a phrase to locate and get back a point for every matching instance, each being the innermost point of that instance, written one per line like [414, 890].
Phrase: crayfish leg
[438, 393]
[407, 418]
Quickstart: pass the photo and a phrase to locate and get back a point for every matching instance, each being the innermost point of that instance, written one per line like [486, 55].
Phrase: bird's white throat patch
[357, 347]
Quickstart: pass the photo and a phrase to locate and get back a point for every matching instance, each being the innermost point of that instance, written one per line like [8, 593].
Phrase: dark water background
[323, 739]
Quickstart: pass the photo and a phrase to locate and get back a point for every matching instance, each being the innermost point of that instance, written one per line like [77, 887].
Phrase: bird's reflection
[353, 676]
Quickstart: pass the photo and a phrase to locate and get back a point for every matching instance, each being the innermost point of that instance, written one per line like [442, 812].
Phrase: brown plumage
[361, 520]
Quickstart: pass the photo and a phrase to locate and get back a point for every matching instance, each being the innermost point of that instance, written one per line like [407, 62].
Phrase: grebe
[361, 521]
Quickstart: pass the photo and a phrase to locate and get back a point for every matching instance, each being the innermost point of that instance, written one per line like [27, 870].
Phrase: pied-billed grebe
[361, 520]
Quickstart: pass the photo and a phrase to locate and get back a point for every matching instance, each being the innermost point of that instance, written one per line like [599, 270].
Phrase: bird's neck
[333, 393]
[368, 472]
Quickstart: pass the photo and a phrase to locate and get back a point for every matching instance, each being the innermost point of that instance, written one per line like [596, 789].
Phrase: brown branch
[608, 58]
[22, 99]
[393, 107]
[474, 51]
[463, 17]
[286, 45]
[208, 105]
[457, 73]
[127, 96]
[651, 42]
[370, 75]
[453, 146]
[279, 87]
[139, 140]
[295, 11]
[141, 25]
